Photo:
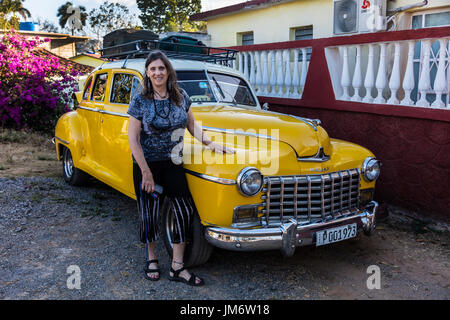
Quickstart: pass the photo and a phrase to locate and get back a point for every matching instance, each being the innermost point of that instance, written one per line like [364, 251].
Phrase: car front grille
[309, 198]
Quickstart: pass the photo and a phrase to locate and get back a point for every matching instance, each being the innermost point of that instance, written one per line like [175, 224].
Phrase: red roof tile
[66, 62]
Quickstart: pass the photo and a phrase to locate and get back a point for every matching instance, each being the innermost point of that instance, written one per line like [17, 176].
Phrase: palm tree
[14, 6]
[64, 16]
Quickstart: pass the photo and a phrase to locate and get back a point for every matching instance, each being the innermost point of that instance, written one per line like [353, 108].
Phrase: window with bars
[246, 38]
[303, 33]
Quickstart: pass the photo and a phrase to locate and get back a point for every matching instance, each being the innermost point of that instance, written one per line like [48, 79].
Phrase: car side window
[98, 94]
[125, 86]
[87, 89]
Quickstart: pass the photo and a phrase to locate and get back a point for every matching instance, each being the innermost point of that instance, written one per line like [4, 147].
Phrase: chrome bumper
[287, 236]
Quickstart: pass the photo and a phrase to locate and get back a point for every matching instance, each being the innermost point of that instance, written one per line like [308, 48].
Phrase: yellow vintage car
[288, 184]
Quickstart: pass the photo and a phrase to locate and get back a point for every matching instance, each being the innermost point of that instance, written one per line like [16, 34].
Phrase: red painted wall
[415, 154]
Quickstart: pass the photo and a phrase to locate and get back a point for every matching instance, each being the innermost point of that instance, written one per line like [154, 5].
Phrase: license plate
[336, 234]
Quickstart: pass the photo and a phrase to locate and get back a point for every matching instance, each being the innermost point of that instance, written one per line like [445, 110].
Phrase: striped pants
[172, 178]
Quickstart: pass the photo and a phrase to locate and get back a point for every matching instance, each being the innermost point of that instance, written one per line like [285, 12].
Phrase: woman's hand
[148, 184]
[218, 148]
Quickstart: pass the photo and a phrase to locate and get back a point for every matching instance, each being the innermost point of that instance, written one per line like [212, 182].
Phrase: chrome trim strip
[332, 193]
[309, 122]
[112, 113]
[295, 197]
[211, 178]
[316, 158]
[281, 198]
[341, 196]
[242, 133]
[359, 188]
[322, 196]
[309, 197]
[61, 140]
[269, 183]
[350, 189]
[125, 115]
[89, 109]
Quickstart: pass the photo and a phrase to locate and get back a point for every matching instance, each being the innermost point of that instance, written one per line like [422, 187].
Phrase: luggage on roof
[180, 43]
[120, 37]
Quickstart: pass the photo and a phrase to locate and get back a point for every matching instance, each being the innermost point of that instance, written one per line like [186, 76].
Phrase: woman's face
[157, 73]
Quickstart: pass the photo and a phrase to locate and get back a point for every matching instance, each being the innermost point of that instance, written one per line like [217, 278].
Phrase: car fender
[68, 133]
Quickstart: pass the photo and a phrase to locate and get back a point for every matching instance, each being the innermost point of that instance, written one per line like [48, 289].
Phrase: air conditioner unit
[359, 16]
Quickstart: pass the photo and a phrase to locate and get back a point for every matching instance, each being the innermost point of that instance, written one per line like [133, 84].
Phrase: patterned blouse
[163, 126]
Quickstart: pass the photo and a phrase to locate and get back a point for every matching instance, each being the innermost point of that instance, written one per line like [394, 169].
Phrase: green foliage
[109, 17]
[8, 23]
[170, 15]
[46, 25]
[14, 6]
[8, 10]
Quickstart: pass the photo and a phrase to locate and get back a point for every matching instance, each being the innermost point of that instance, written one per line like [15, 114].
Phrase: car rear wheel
[198, 251]
[72, 175]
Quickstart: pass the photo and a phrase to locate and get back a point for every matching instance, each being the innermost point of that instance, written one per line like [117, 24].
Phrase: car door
[89, 115]
[113, 146]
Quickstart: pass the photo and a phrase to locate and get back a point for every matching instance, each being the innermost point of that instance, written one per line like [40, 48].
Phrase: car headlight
[371, 169]
[250, 181]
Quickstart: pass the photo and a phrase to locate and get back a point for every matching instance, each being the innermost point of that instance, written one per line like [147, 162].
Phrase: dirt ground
[26, 154]
[412, 254]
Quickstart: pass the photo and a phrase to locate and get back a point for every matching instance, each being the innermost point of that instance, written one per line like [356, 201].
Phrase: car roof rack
[177, 50]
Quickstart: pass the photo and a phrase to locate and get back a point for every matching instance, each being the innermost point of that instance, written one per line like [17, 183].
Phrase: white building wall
[274, 23]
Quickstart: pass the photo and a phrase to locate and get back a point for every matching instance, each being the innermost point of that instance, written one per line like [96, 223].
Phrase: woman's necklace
[162, 103]
[160, 96]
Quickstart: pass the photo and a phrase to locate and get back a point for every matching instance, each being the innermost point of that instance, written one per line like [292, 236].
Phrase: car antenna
[100, 68]
[125, 62]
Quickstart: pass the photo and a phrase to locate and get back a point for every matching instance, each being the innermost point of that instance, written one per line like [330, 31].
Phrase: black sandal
[191, 280]
[147, 270]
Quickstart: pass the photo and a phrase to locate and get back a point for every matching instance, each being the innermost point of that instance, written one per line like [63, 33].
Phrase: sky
[46, 9]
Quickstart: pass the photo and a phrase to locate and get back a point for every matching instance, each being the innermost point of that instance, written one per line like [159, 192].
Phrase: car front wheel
[198, 251]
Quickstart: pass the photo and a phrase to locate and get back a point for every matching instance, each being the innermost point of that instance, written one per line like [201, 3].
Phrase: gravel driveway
[48, 228]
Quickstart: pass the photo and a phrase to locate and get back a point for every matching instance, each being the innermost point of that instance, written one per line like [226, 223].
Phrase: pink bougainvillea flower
[32, 85]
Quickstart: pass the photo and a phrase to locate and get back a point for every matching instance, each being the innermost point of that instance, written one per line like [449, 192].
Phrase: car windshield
[196, 86]
[231, 89]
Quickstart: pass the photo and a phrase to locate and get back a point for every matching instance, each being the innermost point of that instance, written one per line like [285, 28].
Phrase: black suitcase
[123, 36]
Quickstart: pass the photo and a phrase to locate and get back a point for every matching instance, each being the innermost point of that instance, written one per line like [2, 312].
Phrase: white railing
[275, 73]
[410, 72]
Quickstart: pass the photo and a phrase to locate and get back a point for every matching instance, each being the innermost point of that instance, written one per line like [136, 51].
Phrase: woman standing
[157, 115]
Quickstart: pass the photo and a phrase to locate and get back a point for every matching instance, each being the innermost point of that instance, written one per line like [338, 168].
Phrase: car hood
[304, 136]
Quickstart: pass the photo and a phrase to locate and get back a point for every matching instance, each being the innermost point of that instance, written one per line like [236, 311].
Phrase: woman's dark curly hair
[172, 86]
